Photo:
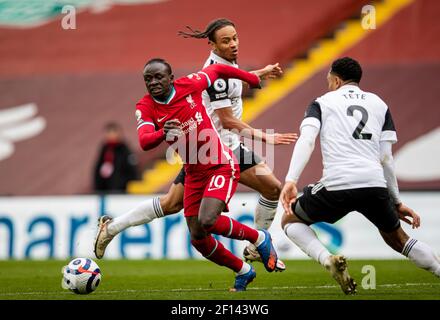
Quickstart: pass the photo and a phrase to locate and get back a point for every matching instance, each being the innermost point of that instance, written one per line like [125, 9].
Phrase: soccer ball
[81, 275]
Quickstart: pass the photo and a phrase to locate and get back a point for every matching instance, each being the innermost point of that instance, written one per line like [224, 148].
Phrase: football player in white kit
[224, 106]
[223, 102]
[357, 132]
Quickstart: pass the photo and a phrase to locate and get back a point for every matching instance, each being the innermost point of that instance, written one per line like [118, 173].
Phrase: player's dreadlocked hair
[159, 60]
[347, 69]
[210, 30]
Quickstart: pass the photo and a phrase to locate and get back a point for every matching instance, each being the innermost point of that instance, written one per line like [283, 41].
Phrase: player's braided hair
[159, 60]
[210, 30]
[347, 69]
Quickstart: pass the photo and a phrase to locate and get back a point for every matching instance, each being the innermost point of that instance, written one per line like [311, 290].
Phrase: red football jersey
[199, 146]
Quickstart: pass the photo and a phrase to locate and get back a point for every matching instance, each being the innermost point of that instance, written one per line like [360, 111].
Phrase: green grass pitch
[202, 280]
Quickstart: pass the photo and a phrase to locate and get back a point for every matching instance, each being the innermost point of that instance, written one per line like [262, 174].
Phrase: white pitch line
[389, 285]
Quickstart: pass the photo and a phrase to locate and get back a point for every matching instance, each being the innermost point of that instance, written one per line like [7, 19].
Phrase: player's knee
[272, 192]
[207, 221]
[197, 234]
[287, 219]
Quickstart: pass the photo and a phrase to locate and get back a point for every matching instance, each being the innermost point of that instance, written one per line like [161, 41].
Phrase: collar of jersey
[219, 59]
[171, 96]
[349, 86]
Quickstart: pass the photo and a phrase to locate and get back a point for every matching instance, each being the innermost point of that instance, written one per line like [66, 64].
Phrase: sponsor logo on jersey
[191, 124]
[191, 101]
[161, 119]
[219, 85]
[194, 75]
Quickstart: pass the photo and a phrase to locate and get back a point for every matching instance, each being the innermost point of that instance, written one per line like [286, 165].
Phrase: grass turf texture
[198, 279]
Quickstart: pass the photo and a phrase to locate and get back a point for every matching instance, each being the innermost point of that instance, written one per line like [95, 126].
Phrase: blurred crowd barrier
[62, 227]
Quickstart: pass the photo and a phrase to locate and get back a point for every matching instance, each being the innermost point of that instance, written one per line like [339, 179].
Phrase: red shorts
[220, 182]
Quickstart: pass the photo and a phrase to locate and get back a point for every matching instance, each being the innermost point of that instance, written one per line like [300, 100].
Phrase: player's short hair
[210, 30]
[159, 60]
[347, 69]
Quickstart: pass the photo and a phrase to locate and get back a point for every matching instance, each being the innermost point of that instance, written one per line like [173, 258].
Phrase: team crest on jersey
[219, 85]
[194, 75]
[190, 101]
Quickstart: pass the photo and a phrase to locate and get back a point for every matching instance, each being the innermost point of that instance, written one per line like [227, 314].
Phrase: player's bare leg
[145, 212]
[305, 238]
[172, 202]
[418, 252]
[261, 179]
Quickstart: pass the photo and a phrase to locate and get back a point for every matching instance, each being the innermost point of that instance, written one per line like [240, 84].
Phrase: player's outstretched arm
[271, 71]
[288, 196]
[300, 157]
[405, 213]
[387, 162]
[230, 122]
[215, 71]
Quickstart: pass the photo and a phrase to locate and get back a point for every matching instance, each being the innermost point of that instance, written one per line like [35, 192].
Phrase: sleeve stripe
[388, 124]
[314, 110]
[144, 123]
[207, 78]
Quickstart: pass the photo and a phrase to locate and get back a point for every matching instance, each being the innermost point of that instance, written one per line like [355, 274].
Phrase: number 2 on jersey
[357, 133]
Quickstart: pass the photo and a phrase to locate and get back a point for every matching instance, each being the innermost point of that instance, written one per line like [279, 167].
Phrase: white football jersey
[224, 93]
[352, 122]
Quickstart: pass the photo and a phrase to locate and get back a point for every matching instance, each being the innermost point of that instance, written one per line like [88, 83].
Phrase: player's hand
[281, 138]
[405, 213]
[271, 71]
[172, 129]
[288, 196]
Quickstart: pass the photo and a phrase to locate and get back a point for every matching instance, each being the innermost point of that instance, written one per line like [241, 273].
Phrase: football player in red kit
[173, 111]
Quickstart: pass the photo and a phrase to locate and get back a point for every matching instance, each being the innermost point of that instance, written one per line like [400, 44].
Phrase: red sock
[214, 250]
[230, 228]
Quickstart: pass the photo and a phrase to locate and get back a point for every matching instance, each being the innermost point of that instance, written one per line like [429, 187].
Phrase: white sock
[146, 212]
[305, 238]
[422, 255]
[260, 239]
[244, 269]
[265, 213]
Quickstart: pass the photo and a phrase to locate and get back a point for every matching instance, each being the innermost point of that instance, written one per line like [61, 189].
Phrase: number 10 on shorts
[217, 182]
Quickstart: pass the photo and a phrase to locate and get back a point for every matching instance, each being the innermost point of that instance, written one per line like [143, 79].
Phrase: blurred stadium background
[58, 88]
